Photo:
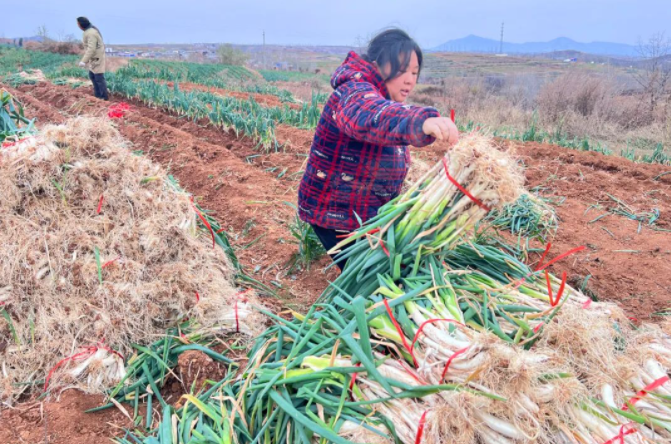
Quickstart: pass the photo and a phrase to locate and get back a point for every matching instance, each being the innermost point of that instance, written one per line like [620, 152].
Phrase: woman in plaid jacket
[359, 158]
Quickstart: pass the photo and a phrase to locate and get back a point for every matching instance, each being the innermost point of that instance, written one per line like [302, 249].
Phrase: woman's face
[402, 85]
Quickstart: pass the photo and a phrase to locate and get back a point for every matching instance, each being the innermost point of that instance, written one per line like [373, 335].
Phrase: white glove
[82, 64]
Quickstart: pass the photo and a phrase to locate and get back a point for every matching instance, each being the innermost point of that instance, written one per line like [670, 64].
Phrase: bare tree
[655, 73]
[43, 32]
[360, 43]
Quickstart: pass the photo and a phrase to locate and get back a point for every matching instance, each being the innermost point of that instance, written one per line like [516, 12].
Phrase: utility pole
[264, 49]
[501, 44]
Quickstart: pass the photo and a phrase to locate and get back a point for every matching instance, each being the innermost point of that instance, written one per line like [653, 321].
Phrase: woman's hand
[441, 128]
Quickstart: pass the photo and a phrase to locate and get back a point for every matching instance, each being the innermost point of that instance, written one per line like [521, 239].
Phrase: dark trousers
[329, 238]
[99, 85]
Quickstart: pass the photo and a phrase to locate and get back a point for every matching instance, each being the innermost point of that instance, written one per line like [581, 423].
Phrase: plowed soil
[246, 189]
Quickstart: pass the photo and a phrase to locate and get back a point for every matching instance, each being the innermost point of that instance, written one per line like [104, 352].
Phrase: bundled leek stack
[429, 337]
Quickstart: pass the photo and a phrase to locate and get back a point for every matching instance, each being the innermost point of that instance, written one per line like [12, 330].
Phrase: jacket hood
[355, 68]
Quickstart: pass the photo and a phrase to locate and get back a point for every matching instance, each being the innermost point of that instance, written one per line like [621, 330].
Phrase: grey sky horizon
[303, 22]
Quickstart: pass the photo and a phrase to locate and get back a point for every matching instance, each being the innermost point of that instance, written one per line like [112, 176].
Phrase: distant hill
[473, 43]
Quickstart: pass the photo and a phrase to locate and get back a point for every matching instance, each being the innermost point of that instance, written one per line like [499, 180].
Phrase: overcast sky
[431, 22]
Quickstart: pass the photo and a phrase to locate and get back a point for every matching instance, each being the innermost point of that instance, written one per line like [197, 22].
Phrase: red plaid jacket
[358, 159]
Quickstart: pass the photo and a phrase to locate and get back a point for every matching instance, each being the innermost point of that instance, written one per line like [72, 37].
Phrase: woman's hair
[393, 46]
[86, 24]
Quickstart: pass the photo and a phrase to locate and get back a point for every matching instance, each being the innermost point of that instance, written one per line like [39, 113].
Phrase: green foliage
[13, 123]
[13, 60]
[292, 76]
[218, 75]
[310, 247]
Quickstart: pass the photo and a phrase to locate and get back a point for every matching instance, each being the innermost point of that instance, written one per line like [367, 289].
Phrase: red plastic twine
[205, 222]
[543, 267]
[587, 304]
[384, 248]
[197, 297]
[100, 204]
[89, 351]
[555, 301]
[420, 428]
[545, 253]
[638, 396]
[452, 115]
[410, 372]
[108, 263]
[351, 383]
[462, 189]
[449, 361]
[400, 332]
[621, 435]
[15, 142]
[425, 323]
[561, 256]
[237, 298]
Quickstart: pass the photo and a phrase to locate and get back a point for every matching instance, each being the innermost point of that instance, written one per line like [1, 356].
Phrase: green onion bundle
[431, 337]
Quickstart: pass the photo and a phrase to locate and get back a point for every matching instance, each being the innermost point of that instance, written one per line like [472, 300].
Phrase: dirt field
[246, 195]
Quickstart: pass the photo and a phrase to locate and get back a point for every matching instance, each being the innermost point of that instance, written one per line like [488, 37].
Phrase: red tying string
[108, 349]
[541, 268]
[197, 297]
[547, 249]
[15, 142]
[410, 372]
[655, 385]
[621, 435]
[420, 428]
[449, 361]
[555, 301]
[238, 296]
[108, 263]
[100, 204]
[587, 304]
[202, 218]
[425, 323]
[351, 383]
[384, 248]
[462, 189]
[88, 352]
[633, 319]
[561, 256]
[561, 289]
[452, 115]
[220, 230]
[538, 327]
[400, 332]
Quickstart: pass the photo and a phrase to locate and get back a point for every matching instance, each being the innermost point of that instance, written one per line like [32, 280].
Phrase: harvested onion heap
[99, 251]
[431, 337]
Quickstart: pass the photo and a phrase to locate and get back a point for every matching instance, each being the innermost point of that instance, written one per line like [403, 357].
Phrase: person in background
[94, 57]
[359, 159]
